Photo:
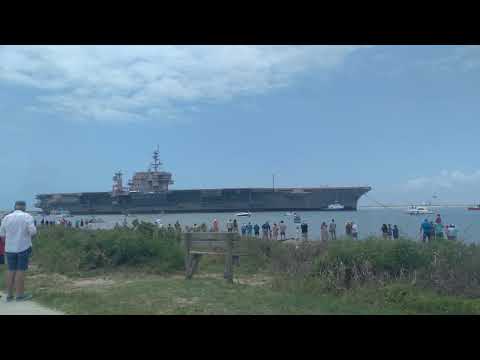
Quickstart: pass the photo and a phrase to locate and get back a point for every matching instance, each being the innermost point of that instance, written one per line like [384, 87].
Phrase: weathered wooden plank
[200, 243]
[195, 260]
[228, 274]
[188, 258]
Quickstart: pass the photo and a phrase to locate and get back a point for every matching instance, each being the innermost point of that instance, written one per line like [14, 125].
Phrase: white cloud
[445, 180]
[127, 82]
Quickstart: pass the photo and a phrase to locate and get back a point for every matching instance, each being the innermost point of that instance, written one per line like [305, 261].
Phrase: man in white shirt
[354, 230]
[17, 230]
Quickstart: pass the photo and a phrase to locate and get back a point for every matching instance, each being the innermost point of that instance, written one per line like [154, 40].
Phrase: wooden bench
[198, 244]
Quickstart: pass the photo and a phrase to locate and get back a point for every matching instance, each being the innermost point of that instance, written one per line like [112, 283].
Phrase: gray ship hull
[204, 200]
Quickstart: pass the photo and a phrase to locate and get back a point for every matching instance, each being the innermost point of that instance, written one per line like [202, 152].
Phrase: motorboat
[418, 210]
[336, 206]
[243, 214]
[475, 207]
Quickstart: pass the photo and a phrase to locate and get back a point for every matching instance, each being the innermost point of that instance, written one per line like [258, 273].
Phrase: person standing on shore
[178, 227]
[438, 230]
[230, 225]
[395, 232]
[275, 231]
[249, 229]
[265, 230]
[243, 228]
[332, 229]
[256, 230]
[452, 232]
[426, 229]
[235, 226]
[283, 230]
[348, 229]
[389, 232]
[438, 220]
[354, 231]
[215, 225]
[17, 230]
[385, 231]
[2, 250]
[304, 228]
[324, 231]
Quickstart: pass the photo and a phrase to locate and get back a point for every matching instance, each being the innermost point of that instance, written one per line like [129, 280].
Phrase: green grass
[144, 273]
[138, 293]
[171, 294]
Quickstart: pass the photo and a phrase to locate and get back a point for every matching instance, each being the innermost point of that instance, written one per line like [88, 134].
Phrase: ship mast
[156, 160]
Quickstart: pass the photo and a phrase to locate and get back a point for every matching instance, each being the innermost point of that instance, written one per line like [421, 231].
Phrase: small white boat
[336, 206]
[290, 214]
[243, 214]
[297, 219]
[418, 210]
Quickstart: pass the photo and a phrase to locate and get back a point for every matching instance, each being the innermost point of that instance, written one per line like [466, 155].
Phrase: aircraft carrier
[148, 192]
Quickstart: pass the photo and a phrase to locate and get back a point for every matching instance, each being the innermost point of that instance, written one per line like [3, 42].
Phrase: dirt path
[24, 308]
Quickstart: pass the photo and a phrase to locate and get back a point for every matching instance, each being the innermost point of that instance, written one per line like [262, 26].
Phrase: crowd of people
[278, 231]
[389, 232]
[437, 230]
[428, 229]
[79, 223]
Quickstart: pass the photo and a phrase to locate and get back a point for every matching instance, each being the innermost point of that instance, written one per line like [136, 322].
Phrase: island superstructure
[148, 192]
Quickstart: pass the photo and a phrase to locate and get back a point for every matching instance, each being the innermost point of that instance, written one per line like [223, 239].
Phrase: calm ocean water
[368, 220]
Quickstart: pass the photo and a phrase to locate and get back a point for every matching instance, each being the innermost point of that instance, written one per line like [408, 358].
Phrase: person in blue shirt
[256, 230]
[395, 232]
[427, 230]
[249, 229]
[244, 229]
[389, 231]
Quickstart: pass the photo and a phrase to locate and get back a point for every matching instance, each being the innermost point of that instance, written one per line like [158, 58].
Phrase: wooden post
[195, 261]
[228, 274]
[188, 258]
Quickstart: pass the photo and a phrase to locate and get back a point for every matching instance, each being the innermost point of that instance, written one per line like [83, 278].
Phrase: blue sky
[402, 119]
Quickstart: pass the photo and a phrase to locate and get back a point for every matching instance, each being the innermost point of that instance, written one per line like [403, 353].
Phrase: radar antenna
[156, 160]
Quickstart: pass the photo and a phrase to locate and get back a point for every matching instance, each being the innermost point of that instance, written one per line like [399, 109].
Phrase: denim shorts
[18, 261]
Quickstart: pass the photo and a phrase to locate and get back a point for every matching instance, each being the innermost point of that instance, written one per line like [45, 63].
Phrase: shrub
[446, 266]
[62, 250]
